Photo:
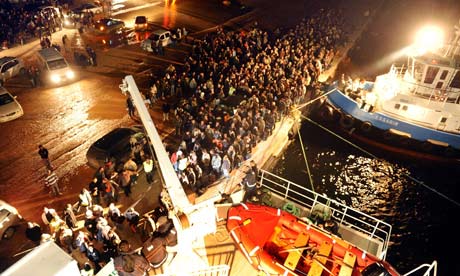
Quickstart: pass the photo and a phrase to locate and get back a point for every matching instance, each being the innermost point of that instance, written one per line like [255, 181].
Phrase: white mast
[454, 46]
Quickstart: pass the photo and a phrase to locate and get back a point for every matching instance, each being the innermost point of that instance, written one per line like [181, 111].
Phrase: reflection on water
[363, 183]
[390, 191]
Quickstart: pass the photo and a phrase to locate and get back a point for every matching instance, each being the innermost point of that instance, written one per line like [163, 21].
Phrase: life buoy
[347, 121]
[366, 127]
[327, 113]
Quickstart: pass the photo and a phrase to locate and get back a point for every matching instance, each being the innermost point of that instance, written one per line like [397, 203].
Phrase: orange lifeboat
[278, 243]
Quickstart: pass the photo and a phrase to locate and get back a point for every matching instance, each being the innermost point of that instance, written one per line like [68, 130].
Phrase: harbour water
[419, 199]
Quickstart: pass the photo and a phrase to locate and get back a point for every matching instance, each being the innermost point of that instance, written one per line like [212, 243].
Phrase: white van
[54, 67]
[158, 36]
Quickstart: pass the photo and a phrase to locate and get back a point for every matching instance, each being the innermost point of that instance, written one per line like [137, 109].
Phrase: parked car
[114, 146]
[113, 39]
[108, 25]
[10, 67]
[140, 23]
[10, 108]
[159, 36]
[9, 220]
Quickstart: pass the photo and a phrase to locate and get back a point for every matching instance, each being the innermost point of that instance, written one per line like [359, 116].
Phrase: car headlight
[70, 74]
[55, 78]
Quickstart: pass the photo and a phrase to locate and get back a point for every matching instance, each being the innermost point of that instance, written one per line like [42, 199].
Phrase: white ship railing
[370, 227]
[398, 71]
[419, 89]
[431, 269]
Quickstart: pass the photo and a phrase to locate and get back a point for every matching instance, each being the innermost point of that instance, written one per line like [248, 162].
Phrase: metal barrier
[431, 269]
[312, 204]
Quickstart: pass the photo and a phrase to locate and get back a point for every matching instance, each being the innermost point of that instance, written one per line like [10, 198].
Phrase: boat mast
[454, 46]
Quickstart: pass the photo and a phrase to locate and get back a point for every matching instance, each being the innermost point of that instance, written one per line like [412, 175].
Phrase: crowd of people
[233, 89]
[96, 237]
[266, 74]
[20, 23]
[24, 21]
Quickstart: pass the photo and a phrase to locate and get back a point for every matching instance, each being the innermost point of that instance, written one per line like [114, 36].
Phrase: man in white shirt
[148, 169]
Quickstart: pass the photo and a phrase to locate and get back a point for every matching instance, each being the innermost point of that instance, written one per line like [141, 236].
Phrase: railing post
[344, 214]
[261, 177]
[287, 189]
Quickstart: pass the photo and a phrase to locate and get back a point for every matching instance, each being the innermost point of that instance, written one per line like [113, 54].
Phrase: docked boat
[415, 106]
[279, 243]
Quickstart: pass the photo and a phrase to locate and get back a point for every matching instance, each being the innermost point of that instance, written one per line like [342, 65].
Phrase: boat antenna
[454, 45]
[375, 157]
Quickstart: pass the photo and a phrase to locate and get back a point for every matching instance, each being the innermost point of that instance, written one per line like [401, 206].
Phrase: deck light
[427, 39]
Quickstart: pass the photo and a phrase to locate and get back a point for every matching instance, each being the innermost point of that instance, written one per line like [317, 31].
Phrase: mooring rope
[306, 161]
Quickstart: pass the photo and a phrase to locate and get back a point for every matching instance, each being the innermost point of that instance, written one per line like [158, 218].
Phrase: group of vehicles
[54, 70]
[10, 108]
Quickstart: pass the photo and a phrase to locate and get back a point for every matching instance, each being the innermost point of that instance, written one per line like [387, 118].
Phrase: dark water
[422, 217]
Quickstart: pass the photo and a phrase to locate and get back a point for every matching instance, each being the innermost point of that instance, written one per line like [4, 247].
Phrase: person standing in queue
[130, 106]
[148, 169]
[165, 108]
[33, 232]
[132, 216]
[249, 183]
[255, 169]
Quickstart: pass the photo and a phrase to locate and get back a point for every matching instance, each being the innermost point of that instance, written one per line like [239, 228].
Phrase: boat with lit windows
[277, 242]
[414, 107]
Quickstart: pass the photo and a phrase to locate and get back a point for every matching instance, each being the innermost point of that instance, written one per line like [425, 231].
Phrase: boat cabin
[434, 77]
[426, 91]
